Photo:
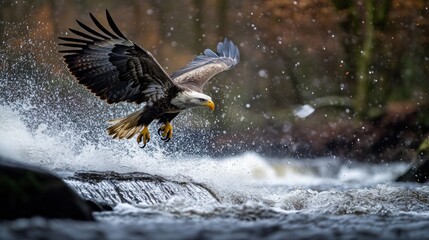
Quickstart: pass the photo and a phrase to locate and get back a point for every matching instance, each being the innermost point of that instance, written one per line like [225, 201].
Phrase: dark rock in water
[419, 169]
[98, 206]
[27, 191]
[416, 173]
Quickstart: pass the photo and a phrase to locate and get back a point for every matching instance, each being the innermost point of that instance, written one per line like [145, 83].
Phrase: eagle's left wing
[112, 67]
[196, 73]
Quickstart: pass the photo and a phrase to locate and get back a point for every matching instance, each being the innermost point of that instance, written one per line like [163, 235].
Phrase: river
[158, 195]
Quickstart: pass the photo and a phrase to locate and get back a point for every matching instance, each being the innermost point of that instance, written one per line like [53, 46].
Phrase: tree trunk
[222, 9]
[197, 24]
[363, 62]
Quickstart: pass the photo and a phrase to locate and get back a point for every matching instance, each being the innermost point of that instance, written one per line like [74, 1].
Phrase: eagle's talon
[142, 146]
[144, 137]
[166, 139]
[166, 132]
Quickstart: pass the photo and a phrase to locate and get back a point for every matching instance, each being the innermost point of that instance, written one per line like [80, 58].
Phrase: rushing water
[160, 194]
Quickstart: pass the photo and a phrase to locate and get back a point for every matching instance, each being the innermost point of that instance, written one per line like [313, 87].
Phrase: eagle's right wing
[113, 67]
[202, 68]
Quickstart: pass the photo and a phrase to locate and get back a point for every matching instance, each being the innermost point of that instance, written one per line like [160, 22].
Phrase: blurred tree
[198, 23]
[359, 42]
[370, 50]
[296, 33]
[222, 10]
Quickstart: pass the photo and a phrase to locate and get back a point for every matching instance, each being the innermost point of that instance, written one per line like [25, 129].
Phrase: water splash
[49, 120]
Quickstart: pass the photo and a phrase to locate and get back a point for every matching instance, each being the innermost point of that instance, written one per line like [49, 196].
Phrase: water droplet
[263, 73]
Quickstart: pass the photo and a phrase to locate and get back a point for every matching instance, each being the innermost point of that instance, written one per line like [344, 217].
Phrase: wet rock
[419, 173]
[419, 169]
[27, 191]
[98, 206]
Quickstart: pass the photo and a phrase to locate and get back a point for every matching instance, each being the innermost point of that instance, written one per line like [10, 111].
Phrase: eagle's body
[115, 69]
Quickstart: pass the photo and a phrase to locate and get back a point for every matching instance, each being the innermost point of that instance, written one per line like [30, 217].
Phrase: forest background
[363, 65]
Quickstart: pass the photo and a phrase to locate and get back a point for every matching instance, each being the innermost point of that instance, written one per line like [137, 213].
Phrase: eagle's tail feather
[133, 132]
[125, 127]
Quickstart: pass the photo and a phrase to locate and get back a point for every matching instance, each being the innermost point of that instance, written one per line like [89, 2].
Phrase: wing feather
[196, 73]
[113, 25]
[84, 35]
[112, 67]
[90, 30]
[101, 27]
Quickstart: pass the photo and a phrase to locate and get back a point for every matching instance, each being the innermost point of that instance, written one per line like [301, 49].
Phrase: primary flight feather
[116, 69]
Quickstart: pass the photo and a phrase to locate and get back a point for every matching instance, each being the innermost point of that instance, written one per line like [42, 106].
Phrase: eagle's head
[188, 99]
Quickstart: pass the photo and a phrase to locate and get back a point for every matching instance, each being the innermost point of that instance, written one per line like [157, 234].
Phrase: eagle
[117, 70]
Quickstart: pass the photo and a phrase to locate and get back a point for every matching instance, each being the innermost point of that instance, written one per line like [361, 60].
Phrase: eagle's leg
[167, 131]
[143, 136]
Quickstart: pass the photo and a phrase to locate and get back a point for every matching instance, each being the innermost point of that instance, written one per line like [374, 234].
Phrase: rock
[98, 206]
[27, 191]
[419, 174]
[419, 169]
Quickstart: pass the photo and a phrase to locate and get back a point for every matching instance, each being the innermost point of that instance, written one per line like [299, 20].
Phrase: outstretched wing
[195, 75]
[113, 67]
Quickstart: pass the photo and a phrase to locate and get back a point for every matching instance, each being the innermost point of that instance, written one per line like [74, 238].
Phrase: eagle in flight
[116, 69]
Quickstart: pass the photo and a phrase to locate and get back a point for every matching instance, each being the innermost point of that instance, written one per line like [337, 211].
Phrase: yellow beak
[210, 104]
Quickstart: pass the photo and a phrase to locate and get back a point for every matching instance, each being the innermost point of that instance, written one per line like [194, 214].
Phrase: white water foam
[311, 186]
[55, 147]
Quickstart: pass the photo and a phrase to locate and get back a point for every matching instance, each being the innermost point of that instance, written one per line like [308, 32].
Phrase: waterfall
[137, 188]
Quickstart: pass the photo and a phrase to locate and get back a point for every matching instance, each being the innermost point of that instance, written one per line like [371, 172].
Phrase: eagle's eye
[201, 99]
